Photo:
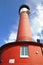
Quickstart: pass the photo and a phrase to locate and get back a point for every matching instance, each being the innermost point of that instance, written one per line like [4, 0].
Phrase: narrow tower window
[24, 51]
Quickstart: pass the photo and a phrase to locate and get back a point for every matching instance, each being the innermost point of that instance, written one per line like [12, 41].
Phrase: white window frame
[23, 56]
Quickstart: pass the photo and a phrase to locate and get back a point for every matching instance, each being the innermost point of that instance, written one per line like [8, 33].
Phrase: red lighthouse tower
[24, 51]
[24, 30]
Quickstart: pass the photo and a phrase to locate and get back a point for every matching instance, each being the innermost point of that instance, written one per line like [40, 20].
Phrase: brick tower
[24, 29]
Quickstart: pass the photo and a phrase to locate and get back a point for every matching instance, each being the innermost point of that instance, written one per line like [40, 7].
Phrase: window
[24, 51]
[11, 61]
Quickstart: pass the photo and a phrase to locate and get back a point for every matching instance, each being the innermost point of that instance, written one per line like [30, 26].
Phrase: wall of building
[13, 52]
[36, 55]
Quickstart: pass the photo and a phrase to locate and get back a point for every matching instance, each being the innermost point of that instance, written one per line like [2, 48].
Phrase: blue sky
[9, 19]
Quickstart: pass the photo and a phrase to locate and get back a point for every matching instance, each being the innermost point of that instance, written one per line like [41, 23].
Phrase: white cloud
[35, 37]
[33, 1]
[41, 37]
[40, 14]
[37, 21]
[13, 33]
[12, 37]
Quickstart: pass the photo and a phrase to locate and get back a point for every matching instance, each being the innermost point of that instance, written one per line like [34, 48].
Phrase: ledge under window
[24, 56]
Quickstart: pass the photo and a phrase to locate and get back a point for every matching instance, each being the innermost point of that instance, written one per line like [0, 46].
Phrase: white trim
[23, 40]
[24, 56]
[23, 10]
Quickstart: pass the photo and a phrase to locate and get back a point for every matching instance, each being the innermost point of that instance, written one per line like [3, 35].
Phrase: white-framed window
[11, 61]
[24, 51]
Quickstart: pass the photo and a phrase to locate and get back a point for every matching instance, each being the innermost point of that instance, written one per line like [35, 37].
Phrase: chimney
[38, 40]
[24, 29]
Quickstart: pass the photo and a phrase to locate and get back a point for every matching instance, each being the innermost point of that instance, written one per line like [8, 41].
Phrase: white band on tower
[23, 10]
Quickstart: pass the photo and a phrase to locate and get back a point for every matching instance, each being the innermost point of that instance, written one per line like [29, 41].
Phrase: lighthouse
[24, 29]
[24, 51]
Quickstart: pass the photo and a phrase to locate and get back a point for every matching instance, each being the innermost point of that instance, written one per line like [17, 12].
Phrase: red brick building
[24, 51]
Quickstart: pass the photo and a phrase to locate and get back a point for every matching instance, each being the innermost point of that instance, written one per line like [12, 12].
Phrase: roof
[23, 7]
[21, 43]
